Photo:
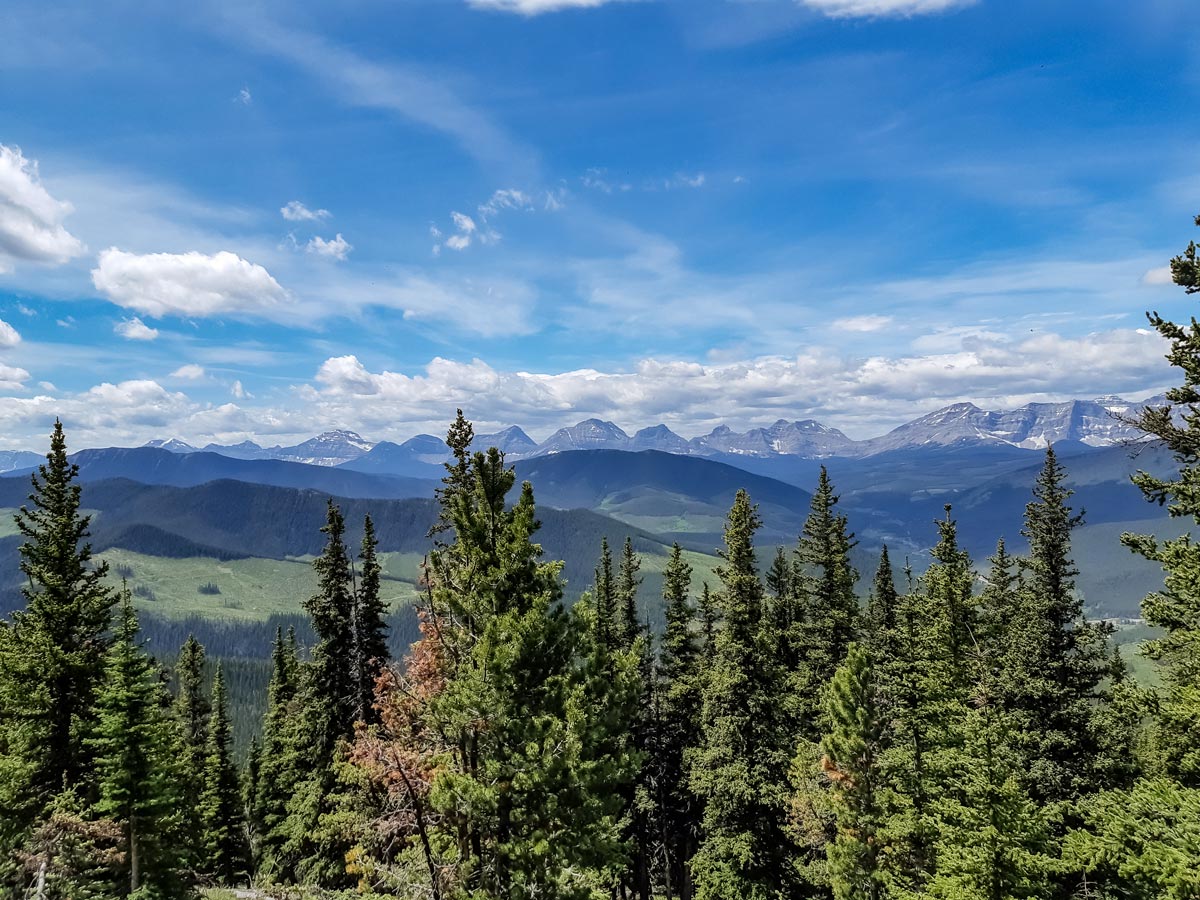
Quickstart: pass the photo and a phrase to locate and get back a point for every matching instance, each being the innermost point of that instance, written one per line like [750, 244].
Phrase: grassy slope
[254, 589]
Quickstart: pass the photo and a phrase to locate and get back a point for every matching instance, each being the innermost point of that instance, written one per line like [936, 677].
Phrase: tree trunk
[135, 879]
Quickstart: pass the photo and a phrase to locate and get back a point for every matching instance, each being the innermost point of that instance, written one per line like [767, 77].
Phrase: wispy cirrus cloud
[845, 9]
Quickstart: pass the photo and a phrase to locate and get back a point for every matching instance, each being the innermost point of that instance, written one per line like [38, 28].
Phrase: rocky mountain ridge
[1097, 423]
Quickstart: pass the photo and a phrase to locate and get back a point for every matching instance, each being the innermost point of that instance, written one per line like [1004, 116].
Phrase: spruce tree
[226, 855]
[280, 765]
[740, 770]
[1055, 663]
[626, 590]
[680, 687]
[370, 629]
[853, 747]
[332, 685]
[192, 711]
[52, 652]
[136, 767]
[607, 620]
[882, 621]
[825, 583]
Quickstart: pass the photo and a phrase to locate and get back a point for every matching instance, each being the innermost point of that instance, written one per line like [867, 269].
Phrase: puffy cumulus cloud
[337, 248]
[844, 9]
[535, 7]
[31, 221]
[135, 330]
[13, 378]
[189, 372]
[862, 323]
[862, 395]
[9, 336]
[187, 284]
[295, 211]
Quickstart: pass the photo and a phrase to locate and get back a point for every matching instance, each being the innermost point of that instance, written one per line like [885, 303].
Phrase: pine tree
[279, 766]
[999, 603]
[993, 840]
[853, 746]
[680, 687]
[528, 793]
[370, 629]
[192, 711]
[52, 653]
[740, 770]
[137, 772]
[710, 616]
[221, 812]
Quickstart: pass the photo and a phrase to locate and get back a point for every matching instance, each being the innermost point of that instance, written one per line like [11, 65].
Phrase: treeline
[958, 733]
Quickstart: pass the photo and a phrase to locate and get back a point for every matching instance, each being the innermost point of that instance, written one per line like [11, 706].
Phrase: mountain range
[1095, 423]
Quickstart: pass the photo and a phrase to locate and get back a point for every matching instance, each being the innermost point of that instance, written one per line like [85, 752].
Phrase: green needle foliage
[192, 710]
[136, 765]
[740, 769]
[370, 630]
[226, 855]
[52, 653]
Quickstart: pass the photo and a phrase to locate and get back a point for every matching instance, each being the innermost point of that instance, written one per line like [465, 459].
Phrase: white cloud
[862, 323]
[839, 9]
[9, 336]
[463, 222]
[296, 211]
[864, 395]
[535, 7]
[135, 330]
[466, 230]
[338, 248]
[187, 284]
[189, 372]
[244, 97]
[506, 198]
[1160, 275]
[13, 378]
[31, 228]
[239, 392]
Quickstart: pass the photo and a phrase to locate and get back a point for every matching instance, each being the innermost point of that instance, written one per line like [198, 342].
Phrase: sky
[261, 220]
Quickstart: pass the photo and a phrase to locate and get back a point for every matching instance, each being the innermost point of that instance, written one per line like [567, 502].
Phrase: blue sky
[267, 219]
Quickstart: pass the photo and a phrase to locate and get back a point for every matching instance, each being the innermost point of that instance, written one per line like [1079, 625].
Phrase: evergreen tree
[370, 629]
[1055, 662]
[192, 711]
[680, 687]
[740, 770]
[853, 746]
[69, 856]
[137, 773]
[999, 604]
[607, 621]
[992, 838]
[709, 618]
[824, 581]
[626, 590]
[221, 812]
[332, 684]
[280, 765]
[882, 621]
[527, 796]
[52, 652]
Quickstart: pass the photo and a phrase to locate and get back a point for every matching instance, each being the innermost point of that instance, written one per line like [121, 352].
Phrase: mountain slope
[150, 465]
